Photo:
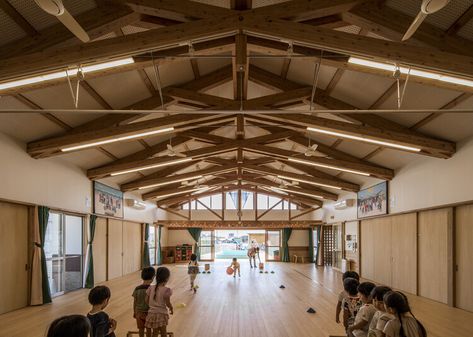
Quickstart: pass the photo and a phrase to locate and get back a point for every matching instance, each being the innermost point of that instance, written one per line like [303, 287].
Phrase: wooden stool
[130, 333]
[297, 257]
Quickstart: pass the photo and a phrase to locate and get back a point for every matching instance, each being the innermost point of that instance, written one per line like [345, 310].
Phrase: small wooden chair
[297, 257]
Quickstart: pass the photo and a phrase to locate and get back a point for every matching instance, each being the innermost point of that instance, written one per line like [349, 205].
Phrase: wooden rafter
[461, 21]
[239, 224]
[17, 17]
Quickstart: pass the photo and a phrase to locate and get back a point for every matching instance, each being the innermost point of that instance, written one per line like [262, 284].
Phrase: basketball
[230, 271]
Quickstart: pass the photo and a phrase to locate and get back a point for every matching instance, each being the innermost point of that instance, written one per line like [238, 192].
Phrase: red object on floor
[230, 271]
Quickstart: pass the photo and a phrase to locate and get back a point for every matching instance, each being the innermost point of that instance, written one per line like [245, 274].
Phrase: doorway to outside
[227, 244]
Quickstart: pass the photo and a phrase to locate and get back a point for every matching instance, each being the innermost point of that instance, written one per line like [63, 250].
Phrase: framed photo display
[373, 201]
[108, 200]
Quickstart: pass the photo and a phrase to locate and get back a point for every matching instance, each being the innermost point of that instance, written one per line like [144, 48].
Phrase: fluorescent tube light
[174, 162]
[297, 192]
[296, 160]
[177, 193]
[63, 74]
[170, 182]
[309, 182]
[363, 139]
[413, 72]
[108, 141]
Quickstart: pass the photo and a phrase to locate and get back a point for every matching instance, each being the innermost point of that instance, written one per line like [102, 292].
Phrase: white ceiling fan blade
[169, 146]
[179, 154]
[68, 20]
[414, 25]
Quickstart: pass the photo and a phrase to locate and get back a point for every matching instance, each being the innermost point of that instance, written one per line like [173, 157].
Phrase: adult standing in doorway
[252, 253]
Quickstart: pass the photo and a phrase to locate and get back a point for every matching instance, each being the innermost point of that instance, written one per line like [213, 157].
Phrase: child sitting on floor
[352, 303]
[193, 270]
[404, 323]
[140, 306]
[380, 317]
[343, 293]
[365, 314]
[101, 324]
[158, 298]
[236, 266]
[69, 326]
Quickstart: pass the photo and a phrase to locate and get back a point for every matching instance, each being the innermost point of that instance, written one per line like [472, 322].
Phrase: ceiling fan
[171, 152]
[56, 8]
[285, 184]
[427, 7]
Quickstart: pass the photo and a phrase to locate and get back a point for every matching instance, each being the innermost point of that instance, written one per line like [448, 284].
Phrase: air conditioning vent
[132, 203]
[344, 204]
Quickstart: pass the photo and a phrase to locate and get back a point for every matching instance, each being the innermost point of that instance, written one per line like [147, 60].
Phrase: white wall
[178, 237]
[51, 182]
[299, 238]
[425, 182]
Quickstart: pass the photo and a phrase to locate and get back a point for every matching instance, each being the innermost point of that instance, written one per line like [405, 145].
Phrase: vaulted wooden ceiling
[239, 140]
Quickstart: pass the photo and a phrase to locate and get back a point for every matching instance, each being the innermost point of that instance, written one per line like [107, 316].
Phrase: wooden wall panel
[99, 247]
[115, 248]
[382, 250]
[404, 252]
[13, 257]
[131, 247]
[464, 256]
[367, 253]
[433, 254]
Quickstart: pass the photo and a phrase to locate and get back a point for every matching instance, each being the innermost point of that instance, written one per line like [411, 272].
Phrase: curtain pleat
[89, 279]
[36, 274]
[286, 235]
[195, 233]
[43, 217]
[159, 259]
[311, 245]
[145, 262]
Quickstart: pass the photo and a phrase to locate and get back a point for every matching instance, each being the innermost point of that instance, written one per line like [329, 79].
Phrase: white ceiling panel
[172, 73]
[224, 90]
[271, 64]
[302, 71]
[207, 65]
[86, 159]
[10, 31]
[461, 123]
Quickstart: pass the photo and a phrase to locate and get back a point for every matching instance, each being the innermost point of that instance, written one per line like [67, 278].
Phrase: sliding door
[207, 247]
[273, 245]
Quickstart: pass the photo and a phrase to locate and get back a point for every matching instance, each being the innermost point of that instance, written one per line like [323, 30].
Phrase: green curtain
[195, 232]
[145, 261]
[43, 217]
[89, 280]
[286, 235]
[317, 254]
[159, 258]
[311, 245]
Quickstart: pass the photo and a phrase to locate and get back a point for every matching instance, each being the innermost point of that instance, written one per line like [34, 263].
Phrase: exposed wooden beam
[335, 164]
[18, 18]
[240, 127]
[384, 96]
[261, 224]
[392, 24]
[429, 146]
[147, 81]
[240, 68]
[363, 46]
[96, 22]
[118, 47]
[241, 5]
[50, 146]
[195, 68]
[165, 180]
[461, 21]
[92, 92]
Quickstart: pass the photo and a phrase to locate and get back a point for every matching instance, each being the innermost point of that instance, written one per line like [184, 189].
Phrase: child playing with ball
[236, 266]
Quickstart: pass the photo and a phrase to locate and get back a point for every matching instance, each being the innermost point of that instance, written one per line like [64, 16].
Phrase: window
[231, 199]
[63, 248]
[247, 200]
[273, 243]
[152, 244]
[206, 245]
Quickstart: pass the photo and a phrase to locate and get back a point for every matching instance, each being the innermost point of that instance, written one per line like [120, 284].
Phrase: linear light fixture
[300, 161]
[309, 182]
[174, 162]
[363, 139]
[178, 192]
[63, 73]
[297, 192]
[412, 72]
[118, 139]
[171, 182]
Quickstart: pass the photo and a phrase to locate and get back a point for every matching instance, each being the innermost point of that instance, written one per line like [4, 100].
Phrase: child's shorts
[140, 319]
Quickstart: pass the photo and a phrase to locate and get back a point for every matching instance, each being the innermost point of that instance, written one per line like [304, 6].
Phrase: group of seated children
[150, 309]
[375, 311]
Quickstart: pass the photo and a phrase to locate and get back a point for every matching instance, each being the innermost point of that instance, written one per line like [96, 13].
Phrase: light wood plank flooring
[252, 306]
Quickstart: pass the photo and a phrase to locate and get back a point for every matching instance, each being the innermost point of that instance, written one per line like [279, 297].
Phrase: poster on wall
[108, 200]
[373, 200]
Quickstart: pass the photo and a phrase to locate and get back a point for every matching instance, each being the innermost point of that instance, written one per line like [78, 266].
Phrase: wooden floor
[252, 306]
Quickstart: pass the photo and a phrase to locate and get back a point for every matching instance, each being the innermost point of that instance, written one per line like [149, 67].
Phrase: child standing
[69, 326]
[352, 303]
[365, 314]
[380, 317]
[193, 270]
[158, 298]
[140, 306]
[236, 266]
[404, 323]
[343, 294]
[101, 324]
